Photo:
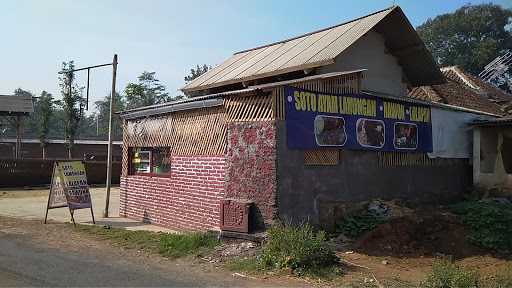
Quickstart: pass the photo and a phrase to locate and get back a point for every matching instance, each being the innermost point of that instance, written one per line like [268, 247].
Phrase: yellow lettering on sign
[296, 96]
[357, 106]
[394, 111]
[420, 114]
[305, 101]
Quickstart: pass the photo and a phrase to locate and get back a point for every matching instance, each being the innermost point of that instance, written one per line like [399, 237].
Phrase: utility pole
[109, 153]
[70, 89]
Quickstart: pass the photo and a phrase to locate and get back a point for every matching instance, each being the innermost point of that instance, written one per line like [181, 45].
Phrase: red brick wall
[251, 166]
[188, 200]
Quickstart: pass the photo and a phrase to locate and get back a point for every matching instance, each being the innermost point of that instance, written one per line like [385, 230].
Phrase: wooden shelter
[13, 109]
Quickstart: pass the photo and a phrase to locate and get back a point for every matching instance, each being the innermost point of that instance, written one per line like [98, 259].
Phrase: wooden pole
[70, 140]
[109, 150]
[87, 99]
[50, 194]
[18, 137]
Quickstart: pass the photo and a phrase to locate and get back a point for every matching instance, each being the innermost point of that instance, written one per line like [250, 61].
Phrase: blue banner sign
[355, 121]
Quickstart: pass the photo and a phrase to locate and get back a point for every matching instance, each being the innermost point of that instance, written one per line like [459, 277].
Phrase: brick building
[303, 128]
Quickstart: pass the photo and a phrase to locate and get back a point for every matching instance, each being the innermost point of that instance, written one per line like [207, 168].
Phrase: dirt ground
[398, 253]
[401, 251]
[31, 204]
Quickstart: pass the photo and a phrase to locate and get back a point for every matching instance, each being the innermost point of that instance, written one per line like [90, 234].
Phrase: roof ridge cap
[316, 31]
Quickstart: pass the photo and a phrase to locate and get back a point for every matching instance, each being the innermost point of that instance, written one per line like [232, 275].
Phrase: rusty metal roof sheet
[16, 104]
[320, 48]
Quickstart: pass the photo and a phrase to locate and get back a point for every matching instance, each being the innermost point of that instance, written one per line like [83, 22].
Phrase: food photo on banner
[355, 121]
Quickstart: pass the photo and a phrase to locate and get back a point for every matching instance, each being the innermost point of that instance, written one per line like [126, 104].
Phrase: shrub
[178, 245]
[299, 248]
[355, 225]
[490, 223]
[445, 274]
[503, 278]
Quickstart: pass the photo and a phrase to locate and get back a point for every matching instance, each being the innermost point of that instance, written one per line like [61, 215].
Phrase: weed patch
[247, 264]
[298, 248]
[502, 279]
[445, 274]
[179, 245]
[141, 240]
[354, 226]
[168, 245]
[490, 223]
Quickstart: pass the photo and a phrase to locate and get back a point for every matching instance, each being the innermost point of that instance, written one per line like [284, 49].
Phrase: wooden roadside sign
[69, 188]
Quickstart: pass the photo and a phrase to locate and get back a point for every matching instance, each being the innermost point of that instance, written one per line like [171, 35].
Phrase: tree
[102, 115]
[44, 111]
[470, 37]
[87, 128]
[198, 71]
[147, 91]
[72, 104]
[21, 92]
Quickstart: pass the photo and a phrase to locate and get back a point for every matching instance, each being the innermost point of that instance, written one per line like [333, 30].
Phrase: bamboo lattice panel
[249, 108]
[347, 84]
[400, 159]
[324, 157]
[124, 167]
[198, 132]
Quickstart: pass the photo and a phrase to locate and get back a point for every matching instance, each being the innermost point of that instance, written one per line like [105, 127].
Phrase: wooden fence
[35, 172]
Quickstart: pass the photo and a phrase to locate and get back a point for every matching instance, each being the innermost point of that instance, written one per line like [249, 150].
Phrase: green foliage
[141, 240]
[168, 245]
[445, 274]
[246, 264]
[490, 223]
[470, 37]
[354, 226]
[198, 71]
[45, 112]
[102, 116]
[179, 245]
[21, 92]
[72, 103]
[298, 248]
[147, 91]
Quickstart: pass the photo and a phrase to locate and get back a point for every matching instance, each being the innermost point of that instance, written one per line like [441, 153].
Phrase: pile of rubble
[232, 249]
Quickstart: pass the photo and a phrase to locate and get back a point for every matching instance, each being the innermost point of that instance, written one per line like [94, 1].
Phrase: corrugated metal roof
[16, 104]
[178, 105]
[507, 121]
[307, 51]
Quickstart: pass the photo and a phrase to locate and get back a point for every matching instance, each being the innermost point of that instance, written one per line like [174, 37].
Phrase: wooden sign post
[69, 188]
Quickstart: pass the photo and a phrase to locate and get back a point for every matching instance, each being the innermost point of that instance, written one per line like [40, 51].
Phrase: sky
[168, 37]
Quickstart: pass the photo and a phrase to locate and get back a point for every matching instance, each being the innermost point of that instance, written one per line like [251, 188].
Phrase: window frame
[151, 163]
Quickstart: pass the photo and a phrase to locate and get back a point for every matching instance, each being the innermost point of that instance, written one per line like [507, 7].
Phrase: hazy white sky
[168, 37]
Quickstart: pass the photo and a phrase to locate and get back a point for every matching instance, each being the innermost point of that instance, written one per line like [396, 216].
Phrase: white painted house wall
[383, 75]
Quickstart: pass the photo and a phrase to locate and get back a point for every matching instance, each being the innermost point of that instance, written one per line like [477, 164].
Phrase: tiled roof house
[465, 90]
